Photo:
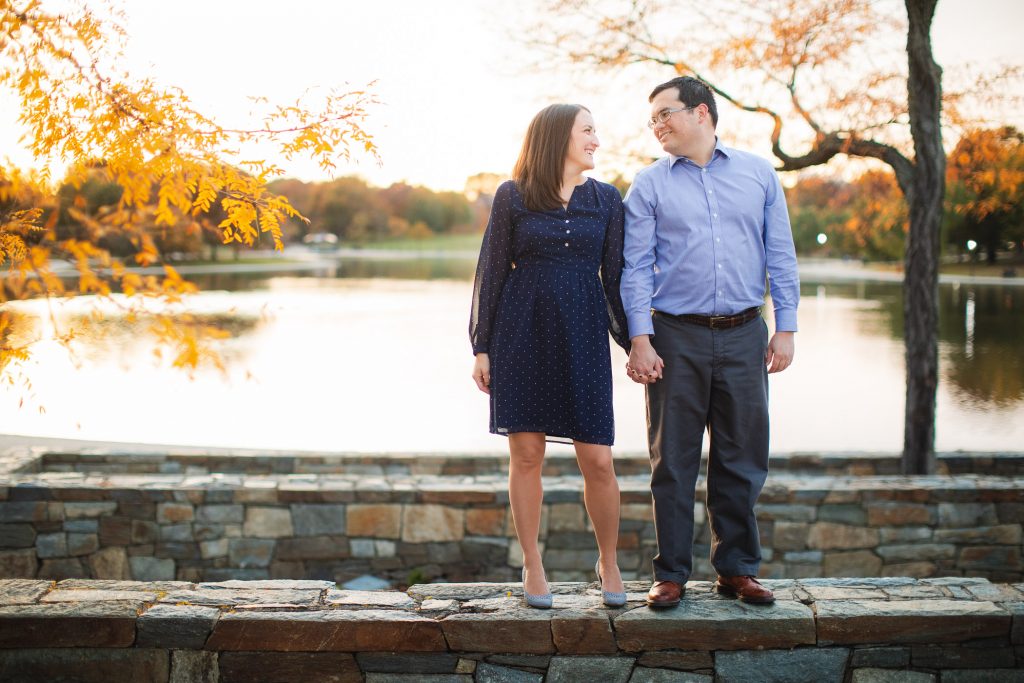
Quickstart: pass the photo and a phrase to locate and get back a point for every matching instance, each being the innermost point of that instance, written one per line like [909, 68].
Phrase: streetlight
[971, 246]
[822, 238]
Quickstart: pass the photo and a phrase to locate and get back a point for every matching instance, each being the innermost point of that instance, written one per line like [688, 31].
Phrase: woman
[546, 294]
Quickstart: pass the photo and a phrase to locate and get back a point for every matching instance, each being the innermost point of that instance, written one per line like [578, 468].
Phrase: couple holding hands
[676, 272]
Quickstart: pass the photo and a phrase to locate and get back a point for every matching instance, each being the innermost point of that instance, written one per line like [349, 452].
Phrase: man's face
[679, 131]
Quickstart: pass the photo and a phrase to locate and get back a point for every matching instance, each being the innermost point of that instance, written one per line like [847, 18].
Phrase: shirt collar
[719, 149]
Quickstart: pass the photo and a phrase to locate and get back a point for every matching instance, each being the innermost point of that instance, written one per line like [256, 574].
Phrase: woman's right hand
[482, 373]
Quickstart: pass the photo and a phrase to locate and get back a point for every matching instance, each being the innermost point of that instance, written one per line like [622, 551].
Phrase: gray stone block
[82, 544]
[189, 666]
[422, 663]
[327, 631]
[810, 665]
[967, 514]
[181, 533]
[530, 630]
[984, 676]
[52, 545]
[957, 657]
[892, 676]
[490, 673]
[318, 520]
[419, 678]
[909, 621]
[17, 536]
[151, 568]
[177, 627]
[589, 669]
[883, 657]
[642, 674]
[220, 514]
[34, 511]
[250, 552]
[713, 624]
[82, 526]
[682, 661]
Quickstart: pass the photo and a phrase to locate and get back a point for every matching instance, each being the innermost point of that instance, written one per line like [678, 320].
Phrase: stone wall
[953, 630]
[59, 519]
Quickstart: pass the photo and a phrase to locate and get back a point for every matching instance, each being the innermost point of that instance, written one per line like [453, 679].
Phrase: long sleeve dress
[545, 298]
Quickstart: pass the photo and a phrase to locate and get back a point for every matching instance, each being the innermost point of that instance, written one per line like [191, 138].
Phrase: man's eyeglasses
[665, 114]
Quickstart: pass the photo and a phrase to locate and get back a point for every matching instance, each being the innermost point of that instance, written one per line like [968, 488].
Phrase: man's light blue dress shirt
[701, 240]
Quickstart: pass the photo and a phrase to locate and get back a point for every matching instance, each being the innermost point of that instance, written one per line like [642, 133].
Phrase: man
[704, 226]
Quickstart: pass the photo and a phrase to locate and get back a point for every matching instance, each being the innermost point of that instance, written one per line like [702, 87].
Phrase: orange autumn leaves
[175, 168]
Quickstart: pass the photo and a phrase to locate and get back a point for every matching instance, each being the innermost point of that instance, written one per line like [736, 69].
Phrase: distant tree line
[358, 213]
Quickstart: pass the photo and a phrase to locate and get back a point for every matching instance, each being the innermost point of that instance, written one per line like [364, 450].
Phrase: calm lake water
[375, 357]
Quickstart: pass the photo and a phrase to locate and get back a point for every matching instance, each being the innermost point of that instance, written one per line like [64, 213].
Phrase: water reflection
[376, 358]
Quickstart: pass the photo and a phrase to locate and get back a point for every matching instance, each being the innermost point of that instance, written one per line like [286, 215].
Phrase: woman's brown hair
[541, 163]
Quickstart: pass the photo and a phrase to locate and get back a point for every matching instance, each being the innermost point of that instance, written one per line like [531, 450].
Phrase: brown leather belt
[716, 322]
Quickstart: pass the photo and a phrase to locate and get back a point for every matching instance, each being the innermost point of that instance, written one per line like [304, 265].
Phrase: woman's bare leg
[601, 496]
[525, 494]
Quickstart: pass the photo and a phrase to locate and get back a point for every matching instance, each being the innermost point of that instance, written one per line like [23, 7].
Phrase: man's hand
[645, 365]
[779, 354]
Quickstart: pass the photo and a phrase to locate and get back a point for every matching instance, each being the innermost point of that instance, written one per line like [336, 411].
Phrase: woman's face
[583, 143]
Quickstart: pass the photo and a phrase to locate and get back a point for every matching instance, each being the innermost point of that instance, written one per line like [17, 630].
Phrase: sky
[456, 88]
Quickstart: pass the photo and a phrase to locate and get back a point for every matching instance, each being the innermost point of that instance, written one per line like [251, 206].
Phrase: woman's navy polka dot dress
[545, 297]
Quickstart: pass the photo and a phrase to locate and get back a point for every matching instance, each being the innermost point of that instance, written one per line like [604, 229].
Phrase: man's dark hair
[692, 91]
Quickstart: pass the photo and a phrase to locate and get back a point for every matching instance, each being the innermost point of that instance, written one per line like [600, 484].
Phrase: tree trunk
[920, 288]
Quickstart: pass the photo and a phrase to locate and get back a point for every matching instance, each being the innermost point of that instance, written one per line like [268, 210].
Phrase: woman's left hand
[482, 372]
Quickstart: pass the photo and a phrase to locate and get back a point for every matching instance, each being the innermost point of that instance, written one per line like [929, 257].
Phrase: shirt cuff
[640, 323]
[785, 320]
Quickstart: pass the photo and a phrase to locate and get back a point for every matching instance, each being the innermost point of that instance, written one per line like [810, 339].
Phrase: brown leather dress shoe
[665, 594]
[746, 588]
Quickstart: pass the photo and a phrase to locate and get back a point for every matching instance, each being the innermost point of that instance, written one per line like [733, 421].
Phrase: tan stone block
[790, 535]
[899, 514]
[579, 631]
[426, 523]
[842, 496]
[485, 521]
[373, 521]
[268, 522]
[566, 517]
[636, 512]
[1004, 534]
[172, 513]
[857, 563]
[18, 564]
[110, 563]
[827, 535]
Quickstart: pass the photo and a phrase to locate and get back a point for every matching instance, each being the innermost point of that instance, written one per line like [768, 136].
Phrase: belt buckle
[715, 319]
